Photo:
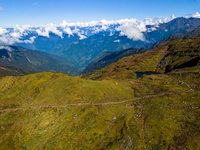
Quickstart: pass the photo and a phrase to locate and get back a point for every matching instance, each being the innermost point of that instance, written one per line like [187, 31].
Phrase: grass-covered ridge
[127, 66]
[58, 111]
[183, 54]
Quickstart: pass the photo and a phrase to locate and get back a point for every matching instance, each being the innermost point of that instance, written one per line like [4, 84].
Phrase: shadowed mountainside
[13, 71]
[107, 58]
[35, 61]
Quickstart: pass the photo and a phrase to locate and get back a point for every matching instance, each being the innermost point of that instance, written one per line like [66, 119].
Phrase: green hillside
[169, 55]
[57, 111]
[108, 58]
[120, 111]
[128, 66]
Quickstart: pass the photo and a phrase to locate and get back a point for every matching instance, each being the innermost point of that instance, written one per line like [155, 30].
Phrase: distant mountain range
[80, 44]
[107, 58]
[104, 59]
[35, 61]
[81, 52]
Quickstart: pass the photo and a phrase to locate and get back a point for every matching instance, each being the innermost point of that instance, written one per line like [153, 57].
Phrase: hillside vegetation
[128, 66]
[57, 111]
[170, 55]
[108, 58]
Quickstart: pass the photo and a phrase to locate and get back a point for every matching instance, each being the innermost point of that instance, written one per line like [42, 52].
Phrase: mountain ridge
[36, 61]
[13, 71]
[110, 57]
[80, 52]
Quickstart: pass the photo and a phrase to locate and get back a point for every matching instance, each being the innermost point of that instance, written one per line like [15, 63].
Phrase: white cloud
[2, 31]
[20, 31]
[132, 32]
[196, 15]
[47, 28]
[42, 33]
[173, 16]
[188, 16]
[79, 33]
[10, 40]
[1, 9]
[151, 29]
[132, 28]
[117, 40]
[29, 41]
[111, 34]
[68, 31]
[104, 27]
[82, 37]
[6, 47]
[15, 34]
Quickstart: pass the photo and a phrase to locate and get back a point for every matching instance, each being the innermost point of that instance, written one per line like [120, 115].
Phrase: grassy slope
[57, 111]
[184, 53]
[108, 58]
[126, 67]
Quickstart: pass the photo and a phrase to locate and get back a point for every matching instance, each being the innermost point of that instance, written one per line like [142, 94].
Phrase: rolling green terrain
[128, 66]
[119, 111]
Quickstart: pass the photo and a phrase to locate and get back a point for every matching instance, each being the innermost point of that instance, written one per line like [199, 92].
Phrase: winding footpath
[84, 104]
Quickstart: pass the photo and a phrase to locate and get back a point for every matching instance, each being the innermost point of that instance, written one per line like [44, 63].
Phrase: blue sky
[38, 12]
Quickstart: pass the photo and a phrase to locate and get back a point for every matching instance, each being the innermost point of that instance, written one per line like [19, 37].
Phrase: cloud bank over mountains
[196, 15]
[132, 28]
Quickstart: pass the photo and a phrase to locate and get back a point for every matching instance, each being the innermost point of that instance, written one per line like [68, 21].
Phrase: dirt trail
[82, 104]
